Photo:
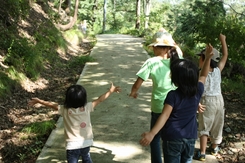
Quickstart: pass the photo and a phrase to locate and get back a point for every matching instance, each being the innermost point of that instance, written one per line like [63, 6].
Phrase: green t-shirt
[159, 71]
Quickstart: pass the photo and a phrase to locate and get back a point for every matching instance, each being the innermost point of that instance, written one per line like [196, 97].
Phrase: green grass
[80, 60]
[6, 84]
[39, 128]
[232, 85]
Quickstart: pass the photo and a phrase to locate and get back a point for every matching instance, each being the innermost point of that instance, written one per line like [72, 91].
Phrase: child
[158, 68]
[211, 120]
[76, 116]
[177, 121]
[83, 26]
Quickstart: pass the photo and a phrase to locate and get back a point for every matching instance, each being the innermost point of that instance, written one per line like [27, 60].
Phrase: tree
[67, 6]
[72, 21]
[147, 12]
[94, 7]
[199, 22]
[104, 15]
[137, 25]
[114, 12]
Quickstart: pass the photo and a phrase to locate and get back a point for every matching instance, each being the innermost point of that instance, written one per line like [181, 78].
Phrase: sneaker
[199, 156]
[215, 150]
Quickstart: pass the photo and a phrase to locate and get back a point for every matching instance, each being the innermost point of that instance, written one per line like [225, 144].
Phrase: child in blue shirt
[177, 121]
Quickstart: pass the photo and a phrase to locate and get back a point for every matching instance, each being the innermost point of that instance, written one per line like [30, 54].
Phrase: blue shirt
[182, 121]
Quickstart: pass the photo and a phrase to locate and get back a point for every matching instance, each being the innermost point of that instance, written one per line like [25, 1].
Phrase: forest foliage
[25, 52]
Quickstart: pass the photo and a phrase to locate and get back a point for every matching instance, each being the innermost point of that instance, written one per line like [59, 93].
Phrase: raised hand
[209, 51]
[222, 37]
[116, 89]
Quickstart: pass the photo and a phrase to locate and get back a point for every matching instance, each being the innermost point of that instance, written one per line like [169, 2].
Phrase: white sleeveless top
[212, 86]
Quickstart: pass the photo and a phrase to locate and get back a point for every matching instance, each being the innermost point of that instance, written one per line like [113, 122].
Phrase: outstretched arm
[148, 136]
[136, 87]
[224, 57]
[206, 64]
[50, 104]
[106, 95]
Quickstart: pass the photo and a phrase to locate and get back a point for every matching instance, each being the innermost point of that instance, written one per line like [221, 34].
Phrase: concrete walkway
[119, 121]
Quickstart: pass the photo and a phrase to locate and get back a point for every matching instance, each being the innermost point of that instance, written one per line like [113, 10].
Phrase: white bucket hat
[215, 57]
[162, 38]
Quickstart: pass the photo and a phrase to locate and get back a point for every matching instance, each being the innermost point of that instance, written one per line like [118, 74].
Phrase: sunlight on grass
[23, 136]
[73, 36]
[40, 128]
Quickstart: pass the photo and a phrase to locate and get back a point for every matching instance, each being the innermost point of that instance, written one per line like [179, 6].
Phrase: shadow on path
[119, 121]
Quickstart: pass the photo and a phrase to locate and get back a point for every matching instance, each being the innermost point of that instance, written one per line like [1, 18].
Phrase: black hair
[164, 47]
[76, 96]
[213, 64]
[185, 74]
[172, 54]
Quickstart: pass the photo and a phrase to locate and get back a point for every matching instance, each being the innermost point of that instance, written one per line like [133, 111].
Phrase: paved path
[119, 121]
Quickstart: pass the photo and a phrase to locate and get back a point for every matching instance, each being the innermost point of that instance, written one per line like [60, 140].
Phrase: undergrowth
[25, 55]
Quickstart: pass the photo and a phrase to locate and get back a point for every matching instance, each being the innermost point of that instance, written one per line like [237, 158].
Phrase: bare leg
[203, 143]
[214, 146]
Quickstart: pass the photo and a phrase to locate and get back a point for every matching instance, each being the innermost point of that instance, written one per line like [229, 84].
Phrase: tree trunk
[147, 12]
[67, 6]
[73, 21]
[137, 25]
[94, 7]
[114, 13]
[104, 16]
[59, 10]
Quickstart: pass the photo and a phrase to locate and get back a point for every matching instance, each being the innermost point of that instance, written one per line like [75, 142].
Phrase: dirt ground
[15, 114]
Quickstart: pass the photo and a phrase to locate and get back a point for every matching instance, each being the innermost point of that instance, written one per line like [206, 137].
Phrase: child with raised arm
[76, 118]
[211, 120]
[177, 121]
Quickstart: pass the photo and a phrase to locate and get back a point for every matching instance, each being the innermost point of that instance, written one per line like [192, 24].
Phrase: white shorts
[211, 121]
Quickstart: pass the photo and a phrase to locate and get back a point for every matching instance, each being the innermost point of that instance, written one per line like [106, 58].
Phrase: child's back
[178, 118]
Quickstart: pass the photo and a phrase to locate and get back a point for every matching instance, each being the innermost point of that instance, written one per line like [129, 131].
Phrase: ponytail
[173, 54]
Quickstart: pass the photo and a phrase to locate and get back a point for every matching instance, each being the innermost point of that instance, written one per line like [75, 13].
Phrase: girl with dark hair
[177, 121]
[76, 96]
[76, 119]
